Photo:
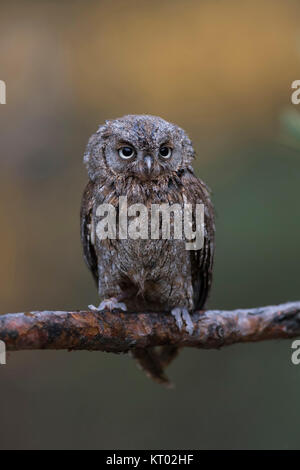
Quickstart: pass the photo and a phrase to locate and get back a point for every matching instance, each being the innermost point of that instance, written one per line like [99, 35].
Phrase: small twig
[119, 332]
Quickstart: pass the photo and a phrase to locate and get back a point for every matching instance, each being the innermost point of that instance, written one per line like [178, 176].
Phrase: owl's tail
[153, 362]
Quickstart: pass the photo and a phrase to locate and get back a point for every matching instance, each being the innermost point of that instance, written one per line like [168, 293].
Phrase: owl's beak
[148, 163]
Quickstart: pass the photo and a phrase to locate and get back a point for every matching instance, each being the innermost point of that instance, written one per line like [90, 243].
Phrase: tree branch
[119, 332]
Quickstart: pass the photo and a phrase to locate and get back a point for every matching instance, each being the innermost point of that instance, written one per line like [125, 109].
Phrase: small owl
[149, 161]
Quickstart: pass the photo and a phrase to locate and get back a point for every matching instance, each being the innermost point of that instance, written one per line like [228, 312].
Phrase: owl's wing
[86, 226]
[201, 264]
[202, 260]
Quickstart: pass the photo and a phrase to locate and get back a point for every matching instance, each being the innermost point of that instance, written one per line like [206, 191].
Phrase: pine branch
[120, 332]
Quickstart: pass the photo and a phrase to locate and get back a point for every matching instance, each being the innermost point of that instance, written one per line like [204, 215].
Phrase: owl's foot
[181, 314]
[109, 304]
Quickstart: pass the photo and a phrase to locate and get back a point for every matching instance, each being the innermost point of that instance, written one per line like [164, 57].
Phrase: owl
[148, 161]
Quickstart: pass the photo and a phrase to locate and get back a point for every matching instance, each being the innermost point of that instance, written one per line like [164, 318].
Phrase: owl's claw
[181, 314]
[109, 304]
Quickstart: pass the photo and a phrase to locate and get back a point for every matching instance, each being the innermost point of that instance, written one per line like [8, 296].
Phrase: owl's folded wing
[86, 230]
[202, 260]
[201, 264]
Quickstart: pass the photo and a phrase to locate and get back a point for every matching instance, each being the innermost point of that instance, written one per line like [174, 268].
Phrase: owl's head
[141, 146]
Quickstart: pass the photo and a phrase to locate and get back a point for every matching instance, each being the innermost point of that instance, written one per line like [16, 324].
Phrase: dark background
[222, 70]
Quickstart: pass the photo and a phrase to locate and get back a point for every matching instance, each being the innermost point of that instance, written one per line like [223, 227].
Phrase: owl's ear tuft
[187, 146]
[94, 154]
[190, 152]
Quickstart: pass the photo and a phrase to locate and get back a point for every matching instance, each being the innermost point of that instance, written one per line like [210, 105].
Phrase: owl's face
[144, 147]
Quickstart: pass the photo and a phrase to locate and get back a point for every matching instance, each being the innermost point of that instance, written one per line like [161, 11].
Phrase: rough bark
[120, 332]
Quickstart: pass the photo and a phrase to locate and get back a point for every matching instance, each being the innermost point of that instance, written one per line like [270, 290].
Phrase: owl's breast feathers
[164, 258]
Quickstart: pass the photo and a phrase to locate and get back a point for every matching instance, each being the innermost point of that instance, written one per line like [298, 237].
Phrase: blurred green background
[222, 70]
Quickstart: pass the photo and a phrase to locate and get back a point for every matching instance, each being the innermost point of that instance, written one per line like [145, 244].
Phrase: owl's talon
[109, 304]
[180, 315]
[92, 307]
[176, 312]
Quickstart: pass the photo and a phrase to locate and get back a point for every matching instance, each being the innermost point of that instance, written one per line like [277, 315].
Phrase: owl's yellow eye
[165, 152]
[126, 152]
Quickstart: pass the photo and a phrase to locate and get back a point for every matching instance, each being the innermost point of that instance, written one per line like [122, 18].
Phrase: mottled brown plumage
[146, 274]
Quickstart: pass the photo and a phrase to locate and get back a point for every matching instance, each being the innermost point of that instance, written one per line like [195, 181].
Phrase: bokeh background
[221, 69]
